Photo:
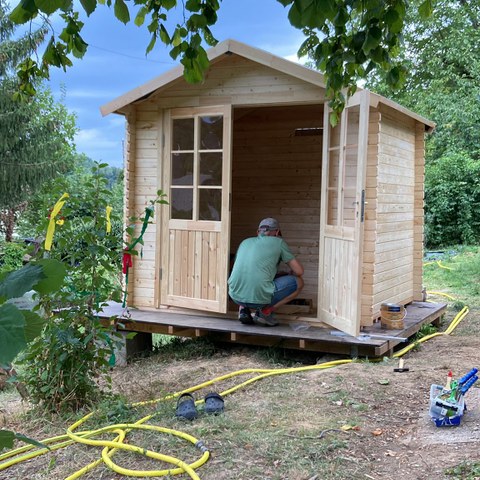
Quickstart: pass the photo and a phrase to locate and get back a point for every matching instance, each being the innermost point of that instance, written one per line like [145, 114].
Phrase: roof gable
[215, 54]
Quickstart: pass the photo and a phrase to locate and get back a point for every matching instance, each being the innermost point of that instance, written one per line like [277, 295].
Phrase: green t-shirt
[251, 280]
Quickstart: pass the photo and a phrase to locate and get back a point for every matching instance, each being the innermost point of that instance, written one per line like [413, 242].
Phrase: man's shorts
[285, 285]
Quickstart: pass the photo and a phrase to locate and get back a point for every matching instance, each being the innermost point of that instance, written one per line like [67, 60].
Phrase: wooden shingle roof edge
[262, 57]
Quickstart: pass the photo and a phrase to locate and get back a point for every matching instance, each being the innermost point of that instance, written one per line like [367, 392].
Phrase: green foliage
[184, 39]
[18, 326]
[75, 349]
[425, 330]
[11, 256]
[36, 136]
[465, 471]
[63, 363]
[74, 183]
[114, 409]
[443, 54]
[186, 349]
[461, 279]
[452, 200]
[346, 38]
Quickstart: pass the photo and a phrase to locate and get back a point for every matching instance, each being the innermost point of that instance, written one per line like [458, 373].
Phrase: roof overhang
[223, 48]
[376, 99]
[227, 47]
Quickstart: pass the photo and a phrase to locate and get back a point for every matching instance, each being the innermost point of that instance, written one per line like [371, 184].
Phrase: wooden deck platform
[373, 341]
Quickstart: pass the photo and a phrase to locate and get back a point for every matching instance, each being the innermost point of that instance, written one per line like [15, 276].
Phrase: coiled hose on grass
[119, 442]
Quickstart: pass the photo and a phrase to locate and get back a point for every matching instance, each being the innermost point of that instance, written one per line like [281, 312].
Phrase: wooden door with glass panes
[342, 215]
[196, 230]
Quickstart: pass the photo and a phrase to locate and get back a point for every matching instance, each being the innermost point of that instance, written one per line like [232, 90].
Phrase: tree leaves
[356, 35]
[6, 439]
[121, 11]
[54, 273]
[12, 332]
[25, 11]
[17, 327]
[89, 6]
[18, 282]
[182, 40]
[426, 9]
[372, 39]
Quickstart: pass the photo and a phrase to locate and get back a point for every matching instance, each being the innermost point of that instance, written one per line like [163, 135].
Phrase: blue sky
[116, 63]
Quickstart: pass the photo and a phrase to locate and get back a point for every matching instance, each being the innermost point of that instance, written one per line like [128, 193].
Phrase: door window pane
[183, 134]
[196, 166]
[332, 212]
[352, 118]
[332, 198]
[211, 133]
[210, 204]
[182, 168]
[181, 201]
[211, 168]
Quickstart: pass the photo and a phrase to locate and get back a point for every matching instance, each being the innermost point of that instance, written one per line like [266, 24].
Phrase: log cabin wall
[129, 181]
[142, 183]
[370, 226]
[419, 221]
[231, 80]
[394, 246]
[276, 172]
[235, 80]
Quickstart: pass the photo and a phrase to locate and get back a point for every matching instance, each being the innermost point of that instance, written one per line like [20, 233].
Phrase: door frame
[348, 241]
[202, 228]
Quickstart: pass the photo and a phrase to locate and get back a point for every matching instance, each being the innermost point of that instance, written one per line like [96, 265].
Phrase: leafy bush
[62, 366]
[64, 363]
[75, 349]
[452, 200]
[18, 325]
[11, 256]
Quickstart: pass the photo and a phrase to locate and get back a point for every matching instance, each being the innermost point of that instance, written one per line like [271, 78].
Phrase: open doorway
[276, 172]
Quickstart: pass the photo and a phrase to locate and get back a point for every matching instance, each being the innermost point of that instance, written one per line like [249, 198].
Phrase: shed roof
[262, 57]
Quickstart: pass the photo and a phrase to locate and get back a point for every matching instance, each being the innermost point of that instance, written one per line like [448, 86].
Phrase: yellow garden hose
[439, 263]
[110, 447]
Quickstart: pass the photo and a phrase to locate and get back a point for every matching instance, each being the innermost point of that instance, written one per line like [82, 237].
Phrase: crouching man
[255, 284]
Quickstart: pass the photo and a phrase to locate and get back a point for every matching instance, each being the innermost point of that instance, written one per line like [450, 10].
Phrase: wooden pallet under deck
[374, 341]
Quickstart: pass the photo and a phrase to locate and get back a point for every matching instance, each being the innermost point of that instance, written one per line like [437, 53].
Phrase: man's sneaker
[267, 320]
[245, 316]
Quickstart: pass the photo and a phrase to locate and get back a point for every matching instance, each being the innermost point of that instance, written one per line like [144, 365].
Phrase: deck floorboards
[373, 341]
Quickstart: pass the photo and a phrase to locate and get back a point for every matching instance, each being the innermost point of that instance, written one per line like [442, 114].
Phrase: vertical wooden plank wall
[418, 232]
[143, 184]
[193, 267]
[277, 174]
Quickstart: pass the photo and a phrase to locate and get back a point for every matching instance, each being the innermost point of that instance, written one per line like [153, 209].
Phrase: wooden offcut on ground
[374, 341]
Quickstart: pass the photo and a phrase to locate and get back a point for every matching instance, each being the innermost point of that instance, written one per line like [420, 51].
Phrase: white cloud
[94, 138]
[294, 58]
[89, 93]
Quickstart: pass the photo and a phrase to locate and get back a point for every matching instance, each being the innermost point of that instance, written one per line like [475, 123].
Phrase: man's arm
[296, 267]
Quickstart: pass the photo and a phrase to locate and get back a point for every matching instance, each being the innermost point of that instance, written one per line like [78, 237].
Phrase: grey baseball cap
[268, 224]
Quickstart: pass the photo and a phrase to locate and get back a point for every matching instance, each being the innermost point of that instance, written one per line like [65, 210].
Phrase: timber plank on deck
[374, 340]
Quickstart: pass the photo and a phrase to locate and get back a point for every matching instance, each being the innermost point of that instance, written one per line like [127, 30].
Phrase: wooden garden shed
[253, 140]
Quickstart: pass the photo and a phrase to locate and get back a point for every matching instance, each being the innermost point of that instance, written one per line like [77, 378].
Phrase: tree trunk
[10, 218]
